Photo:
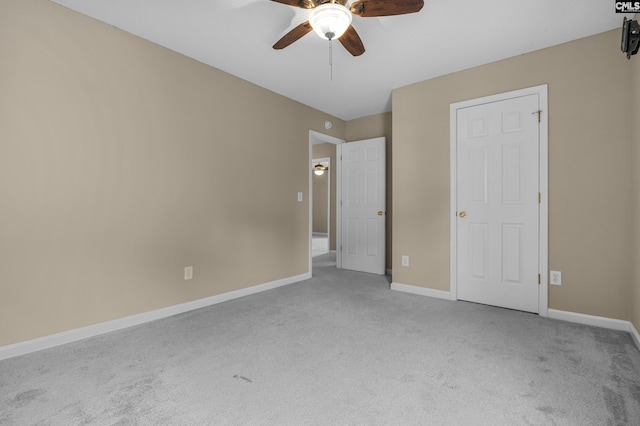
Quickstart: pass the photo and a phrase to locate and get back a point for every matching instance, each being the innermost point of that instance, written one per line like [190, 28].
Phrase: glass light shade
[330, 20]
[319, 169]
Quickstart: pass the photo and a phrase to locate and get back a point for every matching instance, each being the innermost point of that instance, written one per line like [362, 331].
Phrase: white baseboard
[422, 291]
[634, 335]
[610, 323]
[596, 321]
[64, 337]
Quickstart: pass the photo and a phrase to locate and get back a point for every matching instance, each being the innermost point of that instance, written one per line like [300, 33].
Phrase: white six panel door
[498, 204]
[363, 206]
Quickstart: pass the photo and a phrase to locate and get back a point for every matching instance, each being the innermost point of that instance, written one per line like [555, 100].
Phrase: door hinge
[539, 198]
[539, 279]
[537, 112]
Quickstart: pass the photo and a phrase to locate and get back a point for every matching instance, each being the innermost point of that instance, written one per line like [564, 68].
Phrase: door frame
[316, 138]
[543, 185]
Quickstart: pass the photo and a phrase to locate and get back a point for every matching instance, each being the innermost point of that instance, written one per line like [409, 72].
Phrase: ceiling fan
[331, 19]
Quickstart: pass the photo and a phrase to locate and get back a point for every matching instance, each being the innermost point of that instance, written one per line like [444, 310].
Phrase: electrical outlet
[188, 272]
[405, 260]
[555, 278]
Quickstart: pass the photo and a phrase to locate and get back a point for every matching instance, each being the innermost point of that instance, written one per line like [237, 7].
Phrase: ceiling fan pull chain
[330, 59]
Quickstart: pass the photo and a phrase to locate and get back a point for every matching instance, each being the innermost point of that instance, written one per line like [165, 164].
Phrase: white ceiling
[445, 36]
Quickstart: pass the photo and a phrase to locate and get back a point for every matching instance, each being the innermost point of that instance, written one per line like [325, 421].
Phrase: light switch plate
[188, 272]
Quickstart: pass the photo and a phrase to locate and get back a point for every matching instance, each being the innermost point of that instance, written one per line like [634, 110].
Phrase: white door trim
[543, 261]
[314, 139]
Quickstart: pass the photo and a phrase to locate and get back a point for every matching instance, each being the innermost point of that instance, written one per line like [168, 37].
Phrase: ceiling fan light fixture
[330, 20]
[319, 169]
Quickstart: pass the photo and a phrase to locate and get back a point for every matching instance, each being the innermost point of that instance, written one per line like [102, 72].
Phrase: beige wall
[589, 170]
[375, 126]
[634, 64]
[122, 162]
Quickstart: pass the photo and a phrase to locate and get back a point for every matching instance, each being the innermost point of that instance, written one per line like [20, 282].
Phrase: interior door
[363, 216]
[498, 203]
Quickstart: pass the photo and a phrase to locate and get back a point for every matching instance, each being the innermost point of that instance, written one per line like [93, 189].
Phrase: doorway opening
[321, 205]
[324, 148]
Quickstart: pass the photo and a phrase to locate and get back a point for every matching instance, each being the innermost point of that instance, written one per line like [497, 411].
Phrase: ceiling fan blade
[319, 2]
[293, 35]
[370, 8]
[352, 42]
[304, 4]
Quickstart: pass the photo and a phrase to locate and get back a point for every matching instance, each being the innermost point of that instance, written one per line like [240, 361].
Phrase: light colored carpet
[338, 349]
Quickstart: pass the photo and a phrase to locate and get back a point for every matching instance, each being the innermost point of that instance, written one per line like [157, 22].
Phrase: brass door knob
[462, 214]
[380, 213]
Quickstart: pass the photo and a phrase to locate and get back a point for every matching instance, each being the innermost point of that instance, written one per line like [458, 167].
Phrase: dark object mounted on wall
[630, 37]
